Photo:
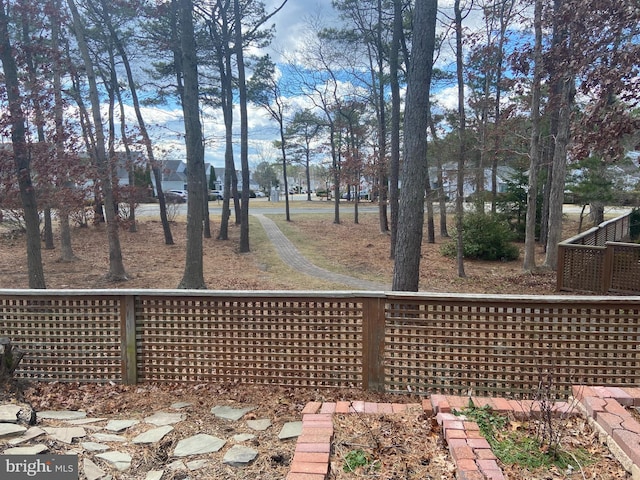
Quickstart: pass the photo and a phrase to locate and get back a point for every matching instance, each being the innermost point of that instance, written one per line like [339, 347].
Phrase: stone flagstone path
[106, 445]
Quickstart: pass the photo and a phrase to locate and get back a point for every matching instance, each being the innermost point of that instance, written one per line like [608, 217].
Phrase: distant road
[298, 204]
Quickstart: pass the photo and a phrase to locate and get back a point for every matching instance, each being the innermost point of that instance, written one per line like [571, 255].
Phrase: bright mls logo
[45, 467]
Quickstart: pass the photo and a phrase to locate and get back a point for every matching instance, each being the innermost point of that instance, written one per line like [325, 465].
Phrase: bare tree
[193, 276]
[561, 101]
[146, 139]
[66, 248]
[394, 144]
[462, 143]
[321, 86]
[264, 90]
[406, 275]
[21, 153]
[116, 265]
[244, 128]
[534, 148]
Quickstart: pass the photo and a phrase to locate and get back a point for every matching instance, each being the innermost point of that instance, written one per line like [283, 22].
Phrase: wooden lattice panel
[508, 348]
[583, 268]
[625, 275]
[65, 338]
[284, 341]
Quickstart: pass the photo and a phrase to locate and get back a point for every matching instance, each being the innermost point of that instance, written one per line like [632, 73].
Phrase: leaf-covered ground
[355, 249]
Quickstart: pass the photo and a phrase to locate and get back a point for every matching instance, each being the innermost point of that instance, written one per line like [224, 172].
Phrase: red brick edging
[469, 451]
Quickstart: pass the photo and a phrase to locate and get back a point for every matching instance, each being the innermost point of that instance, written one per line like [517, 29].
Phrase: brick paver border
[470, 452]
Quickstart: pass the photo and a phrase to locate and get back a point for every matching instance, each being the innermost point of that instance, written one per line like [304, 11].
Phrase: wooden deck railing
[597, 261]
[391, 342]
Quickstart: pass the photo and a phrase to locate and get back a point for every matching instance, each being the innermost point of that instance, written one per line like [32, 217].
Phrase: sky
[291, 28]
[166, 124]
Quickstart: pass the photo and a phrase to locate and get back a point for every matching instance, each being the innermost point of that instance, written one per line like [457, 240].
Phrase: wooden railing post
[562, 251]
[373, 325]
[128, 340]
[607, 270]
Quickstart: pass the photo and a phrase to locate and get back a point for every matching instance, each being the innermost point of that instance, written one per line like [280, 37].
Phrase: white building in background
[450, 180]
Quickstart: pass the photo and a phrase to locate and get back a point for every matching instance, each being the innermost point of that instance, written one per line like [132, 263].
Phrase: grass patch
[268, 259]
[359, 459]
[515, 444]
[319, 247]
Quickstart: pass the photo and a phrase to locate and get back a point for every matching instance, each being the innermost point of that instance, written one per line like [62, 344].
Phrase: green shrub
[359, 458]
[634, 224]
[484, 237]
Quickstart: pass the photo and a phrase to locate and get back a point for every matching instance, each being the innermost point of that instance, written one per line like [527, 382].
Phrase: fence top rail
[593, 230]
[509, 298]
[304, 294]
[578, 246]
[624, 244]
[190, 293]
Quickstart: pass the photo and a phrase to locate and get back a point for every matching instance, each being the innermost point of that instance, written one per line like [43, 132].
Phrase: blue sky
[291, 28]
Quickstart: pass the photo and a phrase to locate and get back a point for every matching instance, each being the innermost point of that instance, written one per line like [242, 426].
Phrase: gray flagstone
[11, 429]
[108, 437]
[239, 455]
[31, 450]
[30, 434]
[91, 470]
[230, 413]
[260, 424]
[119, 425]
[153, 435]
[62, 414]
[197, 445]
[65, 434]
[9, 413]
[290, 430]
[243, 437]
[160, 419]
[94, 447]
[120, 460]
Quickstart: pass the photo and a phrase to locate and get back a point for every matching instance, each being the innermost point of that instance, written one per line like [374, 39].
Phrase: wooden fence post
[373, 324]
[607, 270]
[562, 251]
[128, 340]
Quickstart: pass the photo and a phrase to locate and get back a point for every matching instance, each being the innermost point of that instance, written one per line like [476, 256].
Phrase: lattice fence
[596, 261]
[288, 341]
[506, 347]
[67, 338]
[625, 268]
[419, 343]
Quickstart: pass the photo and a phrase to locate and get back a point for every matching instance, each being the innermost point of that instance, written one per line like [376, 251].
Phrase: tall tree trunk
[534, 147]
[506, 8]
[131, 197]
[206, 221]
[335, 164]
[441, 194]
[193, 277]
[461, 146]
[21, 154]
[146, 139]
[431, 228]
[382, 131]
[66, 247]
[406, 275]
[226, 98]
[556, 195]
[394, 146]
[32, 85]
[116, 265]
[244, 130]
[561, 101]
